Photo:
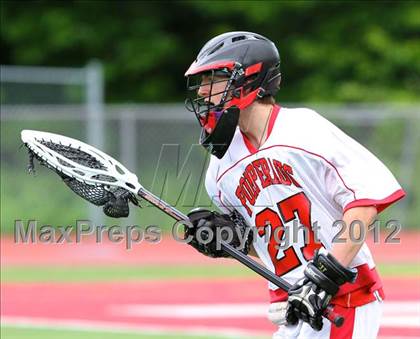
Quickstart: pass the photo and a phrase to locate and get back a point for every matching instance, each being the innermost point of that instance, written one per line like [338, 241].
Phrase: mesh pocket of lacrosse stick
[90, 173]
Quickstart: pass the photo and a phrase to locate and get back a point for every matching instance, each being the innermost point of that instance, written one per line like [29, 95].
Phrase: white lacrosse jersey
[303, 178]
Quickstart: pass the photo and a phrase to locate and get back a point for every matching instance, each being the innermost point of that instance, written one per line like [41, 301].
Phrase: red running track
[168, 251]
[97, 301]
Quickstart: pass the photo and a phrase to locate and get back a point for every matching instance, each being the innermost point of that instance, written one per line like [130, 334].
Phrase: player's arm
[345, 251]
[328, 271]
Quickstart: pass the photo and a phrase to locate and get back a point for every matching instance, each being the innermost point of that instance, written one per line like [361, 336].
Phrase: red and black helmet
[251, 66]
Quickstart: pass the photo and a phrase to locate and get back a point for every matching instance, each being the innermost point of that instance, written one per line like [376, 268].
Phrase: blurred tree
[331, 51]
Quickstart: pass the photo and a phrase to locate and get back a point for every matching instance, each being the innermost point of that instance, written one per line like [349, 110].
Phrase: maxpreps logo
[260, 174]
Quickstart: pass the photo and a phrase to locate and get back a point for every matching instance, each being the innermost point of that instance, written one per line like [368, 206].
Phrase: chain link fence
[158, 142]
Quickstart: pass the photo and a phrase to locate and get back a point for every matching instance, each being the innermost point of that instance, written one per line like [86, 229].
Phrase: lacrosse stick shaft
[233, 252]
[162, 205]
[329, 313]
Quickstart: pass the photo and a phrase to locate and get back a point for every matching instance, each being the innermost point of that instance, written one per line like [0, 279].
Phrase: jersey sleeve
[211, 187]
[355, 177]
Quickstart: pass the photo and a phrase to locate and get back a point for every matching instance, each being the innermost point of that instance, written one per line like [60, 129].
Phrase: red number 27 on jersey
[299, 206]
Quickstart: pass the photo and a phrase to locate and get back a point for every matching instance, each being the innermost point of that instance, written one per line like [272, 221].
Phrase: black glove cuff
[333, 269]
[320, 279]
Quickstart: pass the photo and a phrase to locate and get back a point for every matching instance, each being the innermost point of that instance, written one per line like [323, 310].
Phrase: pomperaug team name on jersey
[260, 174]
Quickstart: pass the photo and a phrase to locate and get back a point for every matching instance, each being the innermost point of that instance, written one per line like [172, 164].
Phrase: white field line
[192, 311]
[395, 314]
[78, 325]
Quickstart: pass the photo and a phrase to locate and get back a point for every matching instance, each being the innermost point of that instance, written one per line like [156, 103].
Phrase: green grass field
[26, 333]
[28, 274]
[119, 273]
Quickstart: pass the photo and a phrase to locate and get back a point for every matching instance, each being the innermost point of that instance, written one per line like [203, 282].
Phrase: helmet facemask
[242, 88]
[206, 110]
[218, 120]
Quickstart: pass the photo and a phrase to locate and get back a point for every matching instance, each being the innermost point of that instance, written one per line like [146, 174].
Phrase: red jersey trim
[249, 145]
[293, 147]
[349, 295]
[221, 201]
[273, 117]
[379, 204]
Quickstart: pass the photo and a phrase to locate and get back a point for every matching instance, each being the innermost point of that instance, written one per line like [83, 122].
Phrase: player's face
[212, 88]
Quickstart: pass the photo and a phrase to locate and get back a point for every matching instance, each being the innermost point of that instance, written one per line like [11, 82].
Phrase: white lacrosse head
[111, 171]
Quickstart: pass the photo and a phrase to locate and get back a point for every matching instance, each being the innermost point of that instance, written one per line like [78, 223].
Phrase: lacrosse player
[278, 169]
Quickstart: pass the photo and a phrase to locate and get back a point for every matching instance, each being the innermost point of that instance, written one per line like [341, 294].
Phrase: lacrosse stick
[103, 181]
